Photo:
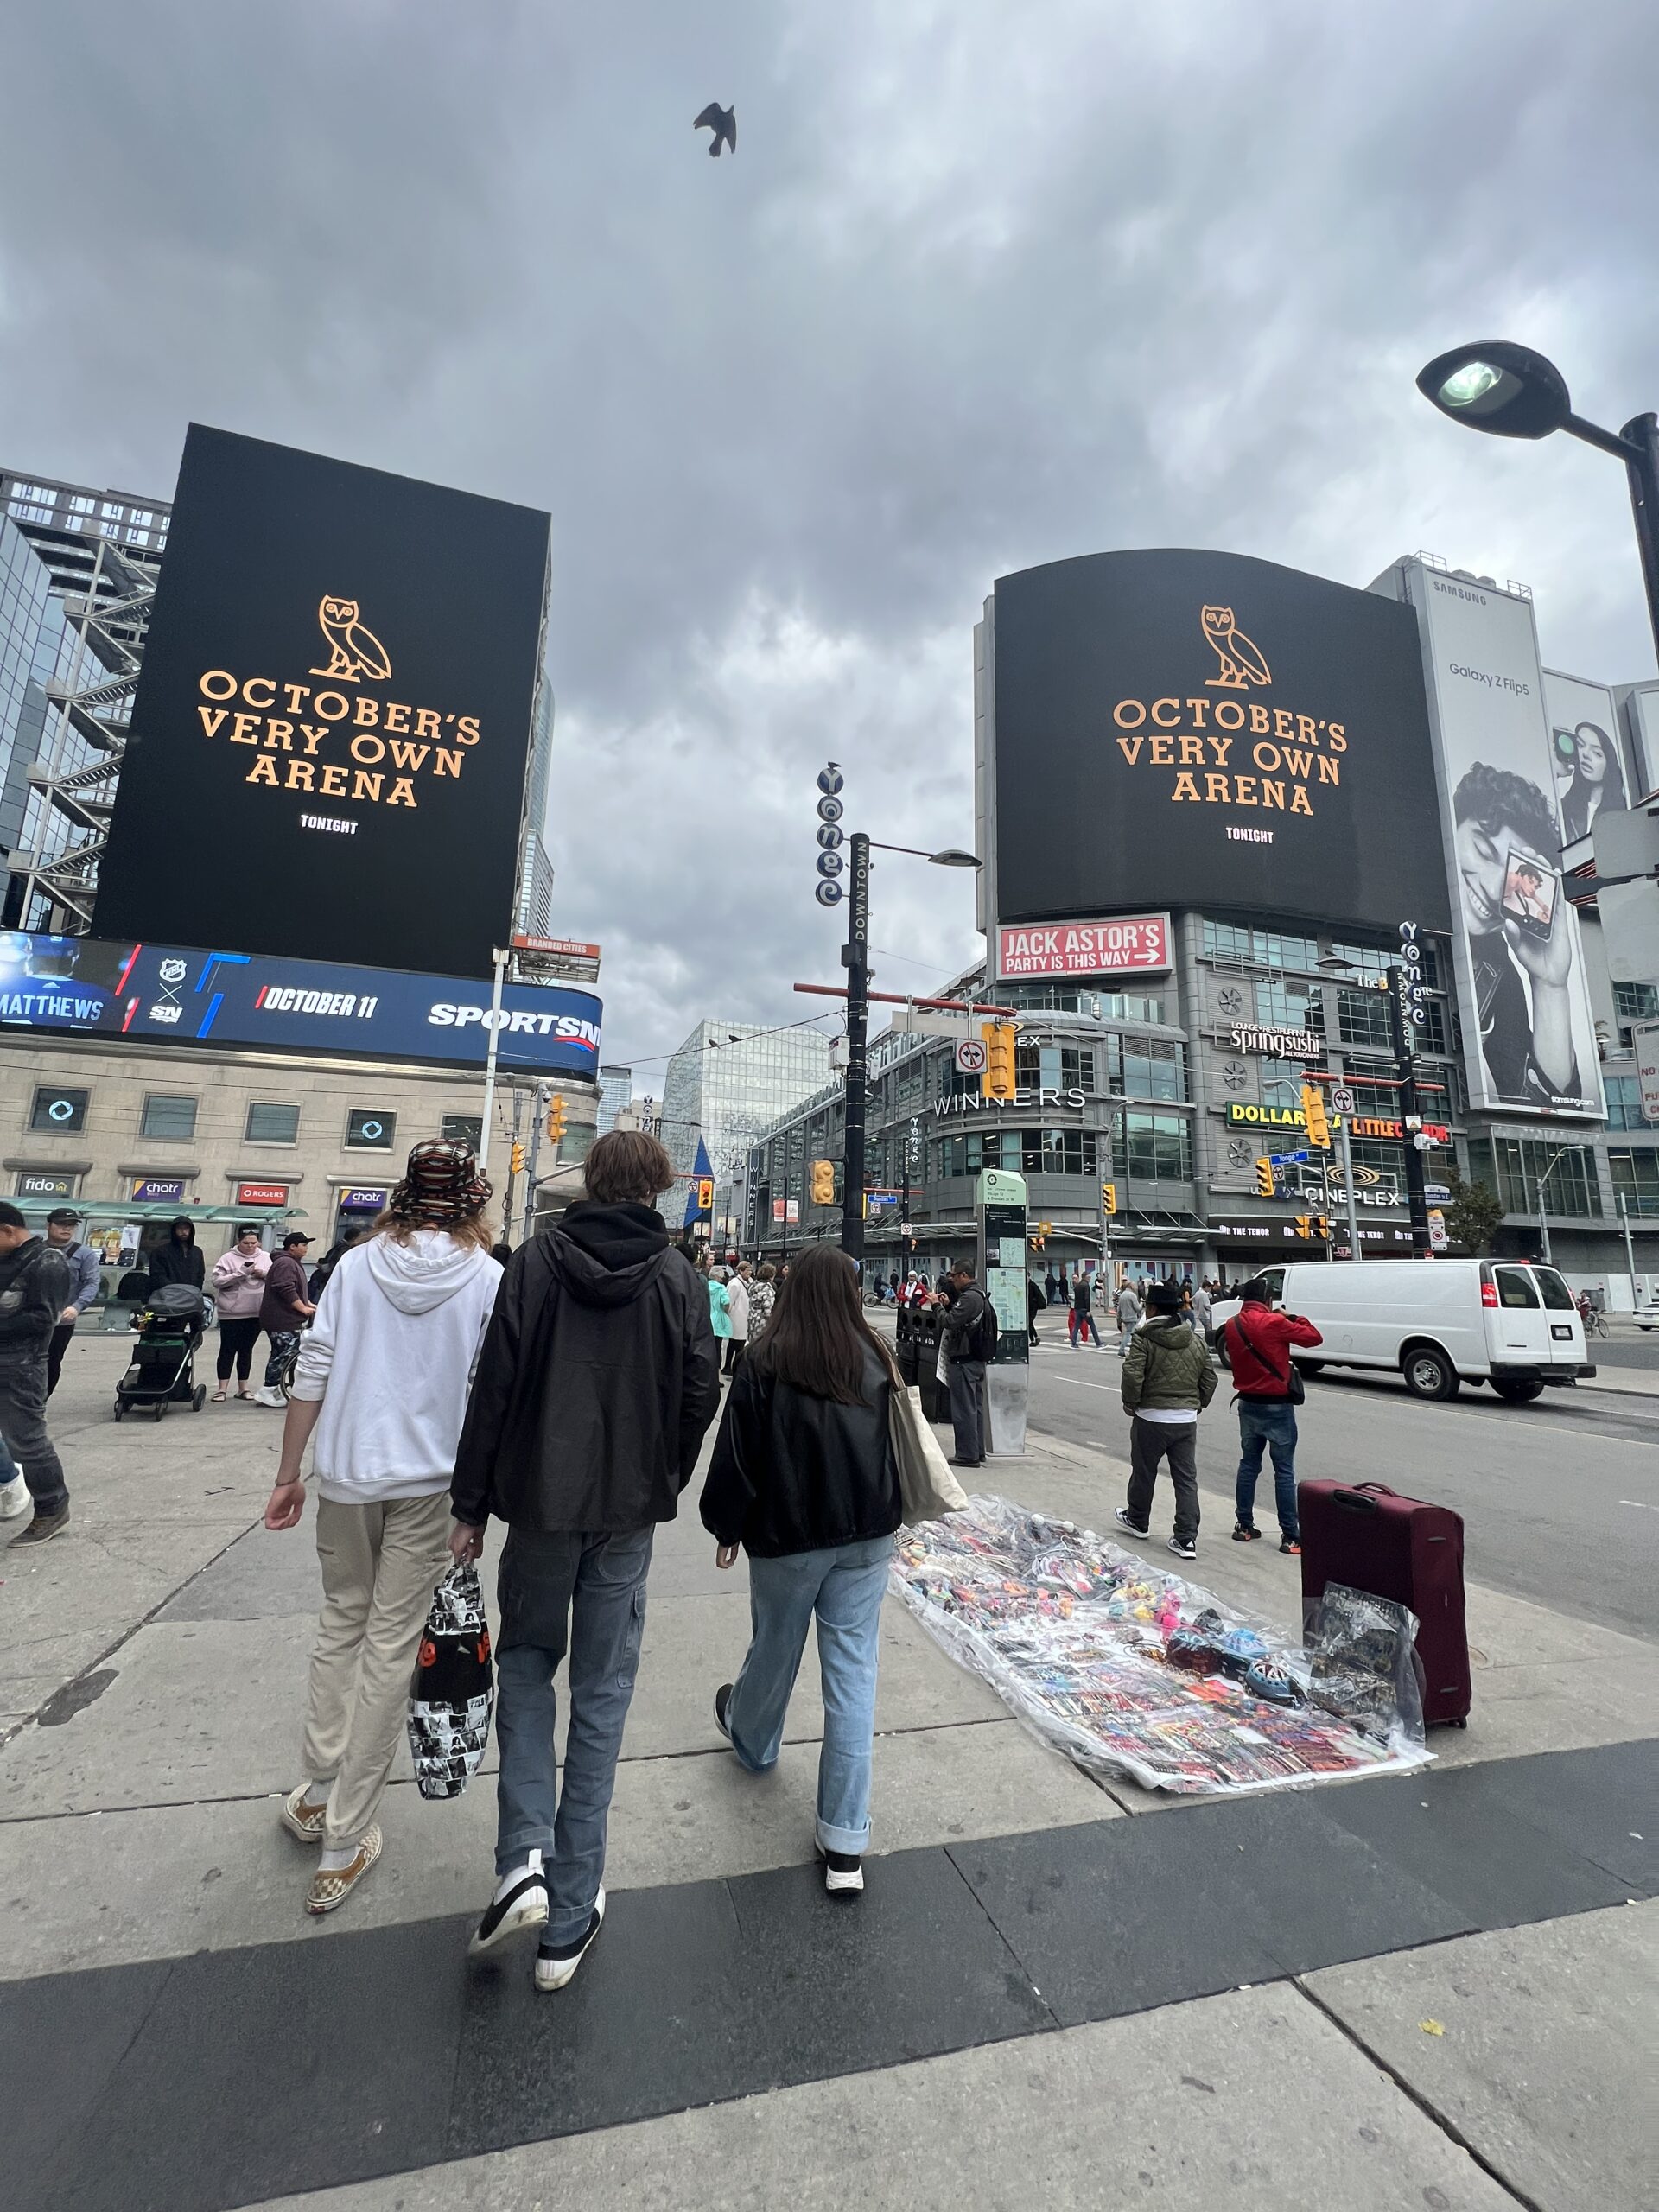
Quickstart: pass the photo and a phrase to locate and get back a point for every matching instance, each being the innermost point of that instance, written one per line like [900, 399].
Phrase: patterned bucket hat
[441, 1183]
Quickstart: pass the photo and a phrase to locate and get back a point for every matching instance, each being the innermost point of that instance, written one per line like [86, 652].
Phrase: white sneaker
[520, 1902]
[555, 1969]
[273, 1398]
[14, 1498]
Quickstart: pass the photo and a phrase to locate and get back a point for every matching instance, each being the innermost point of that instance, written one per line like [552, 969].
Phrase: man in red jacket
[1258, 1347]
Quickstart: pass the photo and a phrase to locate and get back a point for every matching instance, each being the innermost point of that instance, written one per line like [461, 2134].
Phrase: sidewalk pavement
[992, 2017]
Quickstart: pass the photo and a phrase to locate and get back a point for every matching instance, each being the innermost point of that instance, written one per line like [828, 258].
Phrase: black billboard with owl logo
[1207, 730]
[331, 730]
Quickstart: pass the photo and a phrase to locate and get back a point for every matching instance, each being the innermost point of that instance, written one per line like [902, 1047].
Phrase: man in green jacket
[1168, 1379]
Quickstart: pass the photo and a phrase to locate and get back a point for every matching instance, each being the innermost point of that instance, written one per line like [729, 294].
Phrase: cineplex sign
[1123, 944]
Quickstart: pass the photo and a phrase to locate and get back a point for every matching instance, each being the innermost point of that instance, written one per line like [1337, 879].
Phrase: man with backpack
[1269, 1389]
[34, 1289]
[970, 1338]
[1168, 1379]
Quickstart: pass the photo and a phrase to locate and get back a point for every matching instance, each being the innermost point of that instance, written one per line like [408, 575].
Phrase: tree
[1472, 1214]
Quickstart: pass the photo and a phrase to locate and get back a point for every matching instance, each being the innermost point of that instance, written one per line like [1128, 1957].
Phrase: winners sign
[331, 727]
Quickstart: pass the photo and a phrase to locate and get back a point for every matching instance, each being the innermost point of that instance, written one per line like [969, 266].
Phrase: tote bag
[453, 1695]
[927, 1488]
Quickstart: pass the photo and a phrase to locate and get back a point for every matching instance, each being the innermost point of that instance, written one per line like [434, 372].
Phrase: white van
[1511, 1322]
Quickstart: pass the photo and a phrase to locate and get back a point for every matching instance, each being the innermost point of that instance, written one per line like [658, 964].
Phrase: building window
[1635, 1179]
[1625, 1103]
[1153, 1148]
[1635, 1002]
[1368, 961]
[1281, 1083]
[1146, 1067]
[1055, 1067]
[59, 1112]
[1258, 948]
[1514, 1166]
[1057, 1152]
[370, 1128]
[462, 1129]
[1283, 1004]
[1363, 1019]
[272, 1124]
[169, 1117]
[971, 1153]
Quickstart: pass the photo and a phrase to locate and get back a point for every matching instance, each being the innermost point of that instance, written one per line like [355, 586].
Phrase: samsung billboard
[331, 728]
[171, 993]
[1180, 728]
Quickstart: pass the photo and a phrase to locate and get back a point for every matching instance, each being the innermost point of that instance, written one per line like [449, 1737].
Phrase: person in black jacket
[178, 1260]
[595, 1386]
[803, 1478]
[34, 1291]
[965, 1330]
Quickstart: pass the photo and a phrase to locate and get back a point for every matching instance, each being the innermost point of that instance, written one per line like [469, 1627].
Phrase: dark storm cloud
[982, 287]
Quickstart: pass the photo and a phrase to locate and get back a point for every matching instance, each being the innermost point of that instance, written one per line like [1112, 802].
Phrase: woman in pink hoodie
[239, 1286]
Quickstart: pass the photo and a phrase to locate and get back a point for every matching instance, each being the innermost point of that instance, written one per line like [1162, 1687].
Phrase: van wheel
[1429, 1374]
[1516, 1393]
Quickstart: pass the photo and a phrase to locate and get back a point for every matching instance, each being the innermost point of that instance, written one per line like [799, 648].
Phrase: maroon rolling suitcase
[1372, 1539]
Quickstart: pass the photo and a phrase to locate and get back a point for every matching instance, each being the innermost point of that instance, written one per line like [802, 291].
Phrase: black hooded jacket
[178, 1260]
[597, 1381]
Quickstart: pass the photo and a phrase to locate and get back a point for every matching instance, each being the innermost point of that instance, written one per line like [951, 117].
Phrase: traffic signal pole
[1410, 1116]
[855, 959]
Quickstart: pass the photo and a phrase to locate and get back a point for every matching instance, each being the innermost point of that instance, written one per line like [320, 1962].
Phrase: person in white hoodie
[382, 1378]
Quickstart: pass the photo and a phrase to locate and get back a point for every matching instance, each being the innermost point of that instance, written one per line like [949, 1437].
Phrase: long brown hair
[817, 1336]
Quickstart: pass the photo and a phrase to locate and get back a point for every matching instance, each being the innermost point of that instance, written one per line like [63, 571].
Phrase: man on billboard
[1520, 943]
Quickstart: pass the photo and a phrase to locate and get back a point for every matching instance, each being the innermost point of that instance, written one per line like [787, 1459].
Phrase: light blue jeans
[843, 1587]
[588, 1591]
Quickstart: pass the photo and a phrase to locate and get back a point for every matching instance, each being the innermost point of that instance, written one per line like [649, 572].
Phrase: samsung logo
[570, 1028]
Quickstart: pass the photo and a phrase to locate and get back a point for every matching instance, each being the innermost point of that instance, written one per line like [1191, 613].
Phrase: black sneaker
[1292, 1545]
[1245, 1535]
[42, 1528]
[519, 1902]
[1183, 1548]
[722, 1701]
[1121, 1516]
[556, 1968]
[843, 1873]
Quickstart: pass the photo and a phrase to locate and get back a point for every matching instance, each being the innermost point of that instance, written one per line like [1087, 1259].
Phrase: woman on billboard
[1597, 781]
[1520, 941]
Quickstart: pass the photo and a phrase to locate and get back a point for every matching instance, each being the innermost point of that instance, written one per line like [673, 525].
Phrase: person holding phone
[1520, 945]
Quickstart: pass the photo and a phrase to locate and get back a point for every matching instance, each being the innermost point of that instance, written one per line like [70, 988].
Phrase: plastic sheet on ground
[1133, 1672]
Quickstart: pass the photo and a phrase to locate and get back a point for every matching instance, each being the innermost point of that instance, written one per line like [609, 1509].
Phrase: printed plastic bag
[453, 1695]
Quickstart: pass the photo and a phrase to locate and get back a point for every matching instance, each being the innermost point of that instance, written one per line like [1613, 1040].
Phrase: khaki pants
[380, 1565]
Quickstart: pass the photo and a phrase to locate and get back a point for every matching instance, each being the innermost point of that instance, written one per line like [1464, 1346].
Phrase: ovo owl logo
[1242, 662]
[353, 648]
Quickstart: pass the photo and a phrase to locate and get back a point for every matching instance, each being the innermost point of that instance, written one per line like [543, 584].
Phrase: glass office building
[728, 1081]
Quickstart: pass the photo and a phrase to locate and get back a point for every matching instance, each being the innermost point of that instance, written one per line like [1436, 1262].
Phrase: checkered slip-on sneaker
[328, 1890]
[300, 1820]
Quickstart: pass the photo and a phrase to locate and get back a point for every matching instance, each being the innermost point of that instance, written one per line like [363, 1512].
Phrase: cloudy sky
[985, 285]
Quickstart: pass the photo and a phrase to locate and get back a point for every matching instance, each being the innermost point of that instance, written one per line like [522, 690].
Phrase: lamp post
[1540, 1185]
[1509, 391]
[855, 959]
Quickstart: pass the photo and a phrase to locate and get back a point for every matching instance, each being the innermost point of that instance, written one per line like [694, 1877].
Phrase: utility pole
[512, 1172]
[500, 959]
[854, 958]
[1630, 1249]
[1410, 1120]
[1342, 1101]
[543, 1094]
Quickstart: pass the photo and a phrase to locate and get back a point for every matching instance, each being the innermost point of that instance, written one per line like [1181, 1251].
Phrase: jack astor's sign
[336, 698]
[1128, 945]
[1189, 728]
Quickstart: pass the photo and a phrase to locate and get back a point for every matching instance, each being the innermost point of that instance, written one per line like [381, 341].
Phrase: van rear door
[1562, 1313]
[1517, 1327]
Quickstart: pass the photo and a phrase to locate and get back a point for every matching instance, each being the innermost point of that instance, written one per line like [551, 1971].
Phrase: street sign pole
[1348, 1185]
[854, 957]
[500, 959]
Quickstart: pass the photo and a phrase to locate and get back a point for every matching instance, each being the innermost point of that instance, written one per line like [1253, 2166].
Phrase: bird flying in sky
[722, 121]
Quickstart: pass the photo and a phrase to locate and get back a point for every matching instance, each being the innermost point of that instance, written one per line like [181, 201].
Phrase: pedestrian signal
[1313, 1113]
[824, 1183]
[705, 1194]
[555, 1120]
[517, 1157]
[1264, 1178]
[1108, 1198]
[998, 1081]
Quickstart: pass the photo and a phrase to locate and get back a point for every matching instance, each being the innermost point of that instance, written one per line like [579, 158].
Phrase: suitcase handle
[1355, 1501]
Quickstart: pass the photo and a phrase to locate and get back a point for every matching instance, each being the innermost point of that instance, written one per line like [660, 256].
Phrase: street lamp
[1509, 391]
[854, 958]
[1543, 1184]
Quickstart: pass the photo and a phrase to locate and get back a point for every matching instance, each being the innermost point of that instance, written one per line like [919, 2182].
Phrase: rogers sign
[1126, 945]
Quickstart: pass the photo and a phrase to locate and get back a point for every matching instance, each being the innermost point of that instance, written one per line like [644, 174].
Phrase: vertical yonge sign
[336, 708]
[1204, 730]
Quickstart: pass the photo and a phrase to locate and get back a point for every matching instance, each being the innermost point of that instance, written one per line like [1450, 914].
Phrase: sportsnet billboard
[166, 993]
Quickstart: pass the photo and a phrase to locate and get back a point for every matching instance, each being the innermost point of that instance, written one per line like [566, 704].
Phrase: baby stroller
[170, 1324]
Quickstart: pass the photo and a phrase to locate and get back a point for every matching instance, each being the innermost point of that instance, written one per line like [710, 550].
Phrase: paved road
[1561, 1499]
[1626, 1351]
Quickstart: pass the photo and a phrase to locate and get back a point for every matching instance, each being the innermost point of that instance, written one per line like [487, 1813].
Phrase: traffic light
[824, 1183]
[1264, 1178]
[1305, 1226]
[1108, 1198]
[555, 1120]
[706, 1194]
[998, 1081]
[1322, 1223]
[517, 1157]
[1319, 1129]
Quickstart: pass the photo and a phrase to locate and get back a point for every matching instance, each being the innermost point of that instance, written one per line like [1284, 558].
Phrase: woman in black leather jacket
[803, 1479]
